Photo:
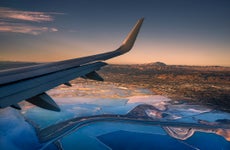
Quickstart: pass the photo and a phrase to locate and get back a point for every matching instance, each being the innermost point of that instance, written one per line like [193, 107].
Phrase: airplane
[30, 83]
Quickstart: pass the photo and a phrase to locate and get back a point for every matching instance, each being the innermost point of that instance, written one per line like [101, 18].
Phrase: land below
[209, 85]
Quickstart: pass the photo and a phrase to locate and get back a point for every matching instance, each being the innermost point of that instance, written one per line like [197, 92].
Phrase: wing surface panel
[14, 93]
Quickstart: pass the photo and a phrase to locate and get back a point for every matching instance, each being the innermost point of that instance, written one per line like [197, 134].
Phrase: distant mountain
[157, 64]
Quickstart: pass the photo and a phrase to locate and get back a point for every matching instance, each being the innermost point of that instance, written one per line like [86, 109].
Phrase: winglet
[129, 41]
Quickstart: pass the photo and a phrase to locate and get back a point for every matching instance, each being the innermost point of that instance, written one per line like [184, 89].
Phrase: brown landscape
[208, 85]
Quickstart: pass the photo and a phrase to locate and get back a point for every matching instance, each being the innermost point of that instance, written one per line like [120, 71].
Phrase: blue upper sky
[194, 32]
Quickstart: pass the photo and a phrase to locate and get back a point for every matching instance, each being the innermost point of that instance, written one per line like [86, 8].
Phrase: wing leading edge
[30, 83]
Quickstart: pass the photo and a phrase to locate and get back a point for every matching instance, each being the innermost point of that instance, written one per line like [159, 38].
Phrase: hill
[157, 64]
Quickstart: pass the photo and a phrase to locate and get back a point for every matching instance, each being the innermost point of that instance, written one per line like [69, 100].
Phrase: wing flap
[68, 84]
[44, 101]
[93, 76]
[16, 106]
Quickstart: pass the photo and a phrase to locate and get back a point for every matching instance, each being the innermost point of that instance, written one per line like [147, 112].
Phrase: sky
[181, 32]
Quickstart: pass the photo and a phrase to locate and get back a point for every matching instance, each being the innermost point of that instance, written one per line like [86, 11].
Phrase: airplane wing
[31, 83]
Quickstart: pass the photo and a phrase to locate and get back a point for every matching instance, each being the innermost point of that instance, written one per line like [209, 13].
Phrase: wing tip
[129, 41]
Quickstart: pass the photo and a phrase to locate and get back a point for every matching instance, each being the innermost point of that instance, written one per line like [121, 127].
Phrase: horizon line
[194, 65]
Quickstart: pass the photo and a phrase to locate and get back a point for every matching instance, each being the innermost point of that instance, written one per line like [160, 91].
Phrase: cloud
[53, 29]
[23, 28]
[18, 21]
[11, 14]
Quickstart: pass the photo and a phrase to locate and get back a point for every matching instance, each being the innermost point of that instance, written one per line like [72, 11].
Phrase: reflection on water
[144, 120]
[136, 140]
[114, 118]
[224, 132]
[185, 133]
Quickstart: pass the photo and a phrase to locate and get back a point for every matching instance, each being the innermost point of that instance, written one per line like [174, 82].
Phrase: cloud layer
[9, 13]
[18, 21]
[23, 28]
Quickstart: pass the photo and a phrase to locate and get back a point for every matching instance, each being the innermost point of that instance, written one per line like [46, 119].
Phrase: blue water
[119, 140]
[140, 141]
[208, 141]
[16, 133]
